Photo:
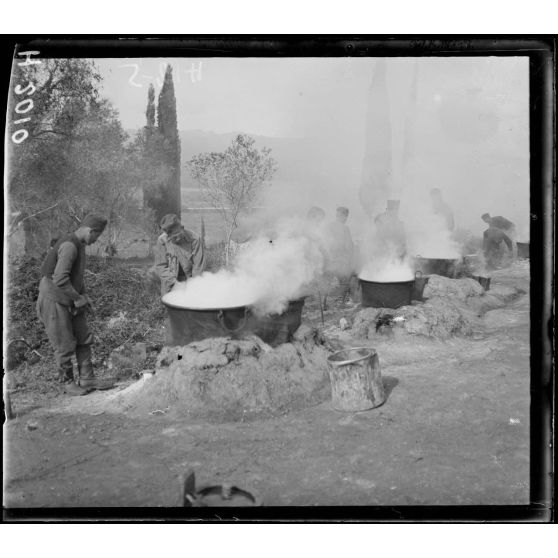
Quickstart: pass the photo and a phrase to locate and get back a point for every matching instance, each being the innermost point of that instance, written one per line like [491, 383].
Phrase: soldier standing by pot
[502, 224]
[390, 232]
[62, 304]
[341, 251]
[179, 254]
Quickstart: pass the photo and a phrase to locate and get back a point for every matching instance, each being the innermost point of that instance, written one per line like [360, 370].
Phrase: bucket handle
[242, 323]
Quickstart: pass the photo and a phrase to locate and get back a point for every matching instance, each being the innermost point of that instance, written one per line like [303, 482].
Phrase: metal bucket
[437, 266]
[523, 250]
[356, 379]
[377, 294]
[217, 496]
[483, 281]
[188, 324]
[279, 328]
[418, 287]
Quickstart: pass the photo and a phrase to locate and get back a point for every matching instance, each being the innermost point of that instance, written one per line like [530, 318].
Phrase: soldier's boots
[66, 377]
[87, 379]
[93, 383]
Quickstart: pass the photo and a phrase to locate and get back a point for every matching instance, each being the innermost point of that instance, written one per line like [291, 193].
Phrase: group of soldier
[179, 254]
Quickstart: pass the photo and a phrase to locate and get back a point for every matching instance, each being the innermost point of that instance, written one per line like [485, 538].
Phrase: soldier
[62, 304]
[341, 250]
[179, 254]
[391, 234]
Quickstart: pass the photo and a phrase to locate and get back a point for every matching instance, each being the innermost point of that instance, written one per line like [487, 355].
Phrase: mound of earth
[460, 289]
[226, 379]
[452, 308]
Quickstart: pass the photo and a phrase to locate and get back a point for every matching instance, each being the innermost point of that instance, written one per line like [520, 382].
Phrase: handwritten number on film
[195, 73]
[26, 105]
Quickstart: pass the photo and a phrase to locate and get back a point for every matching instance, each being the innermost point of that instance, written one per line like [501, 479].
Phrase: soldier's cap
[393, 204]
[485, 216]
[171, 223]
[95, 222]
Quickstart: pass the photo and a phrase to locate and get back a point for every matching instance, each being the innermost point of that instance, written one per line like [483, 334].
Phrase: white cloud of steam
[427, 235]
[386, 270]
[269, 271]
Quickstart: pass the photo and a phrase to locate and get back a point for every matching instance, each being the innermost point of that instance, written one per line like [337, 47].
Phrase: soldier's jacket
[63, 270]
[178, 260]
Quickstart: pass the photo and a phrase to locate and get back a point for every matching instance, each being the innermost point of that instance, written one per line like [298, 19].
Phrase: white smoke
[269, 271]
[427, 234]
[386, 270]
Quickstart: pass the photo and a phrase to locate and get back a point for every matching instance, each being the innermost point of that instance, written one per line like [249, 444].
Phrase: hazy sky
[470, 120]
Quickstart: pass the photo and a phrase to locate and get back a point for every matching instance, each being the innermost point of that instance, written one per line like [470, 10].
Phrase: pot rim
[442, 259]
[371, 352]
[218, 308]
[388, 282]
[214, 309]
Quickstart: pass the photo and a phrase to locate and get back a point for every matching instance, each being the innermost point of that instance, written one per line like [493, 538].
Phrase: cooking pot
[195, 324]
[522, 250]
[483, 281]
[436, 266]
[380, 294]
[279, 328]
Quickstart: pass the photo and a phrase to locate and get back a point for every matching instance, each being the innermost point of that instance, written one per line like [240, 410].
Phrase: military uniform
[179, 254]
[492, 242]
[60, 288]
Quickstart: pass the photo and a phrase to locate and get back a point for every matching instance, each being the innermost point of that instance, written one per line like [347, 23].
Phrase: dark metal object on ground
[483, 281]
[523, 250]
[279, 328]
[437, 266]
[223, 495]
[377, 294]
[418, 287]
[356, 379]
[188, 324]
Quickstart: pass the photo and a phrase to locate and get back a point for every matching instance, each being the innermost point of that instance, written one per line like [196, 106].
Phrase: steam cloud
[269, 271]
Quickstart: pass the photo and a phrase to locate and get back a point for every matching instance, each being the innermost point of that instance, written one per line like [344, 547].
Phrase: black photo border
[541, 51]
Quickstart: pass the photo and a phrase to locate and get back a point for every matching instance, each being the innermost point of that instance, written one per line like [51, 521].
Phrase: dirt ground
[453, 430]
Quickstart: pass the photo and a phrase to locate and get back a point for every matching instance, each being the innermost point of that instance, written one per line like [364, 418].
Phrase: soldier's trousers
[68, 334]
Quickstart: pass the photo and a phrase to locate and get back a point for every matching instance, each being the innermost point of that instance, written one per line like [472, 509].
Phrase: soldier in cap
[341, 250]
[179, 253]
[391, 231]
[62, 304]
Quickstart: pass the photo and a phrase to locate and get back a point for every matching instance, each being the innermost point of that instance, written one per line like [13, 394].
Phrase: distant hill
[301, 161]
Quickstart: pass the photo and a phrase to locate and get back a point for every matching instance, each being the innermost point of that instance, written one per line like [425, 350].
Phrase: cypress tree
[150, 111]
[168, 129]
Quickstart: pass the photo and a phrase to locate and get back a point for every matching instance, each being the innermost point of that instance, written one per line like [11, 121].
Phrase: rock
[460, 289]
[364, 320]
[32, 425]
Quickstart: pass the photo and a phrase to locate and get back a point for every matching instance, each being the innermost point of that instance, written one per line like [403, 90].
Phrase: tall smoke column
[410, 130]
[376, 167]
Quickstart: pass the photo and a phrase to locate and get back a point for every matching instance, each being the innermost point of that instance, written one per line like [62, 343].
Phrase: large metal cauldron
[437, 266]
[523, 250]
[377, 294]
[279, 328]
[193, 324]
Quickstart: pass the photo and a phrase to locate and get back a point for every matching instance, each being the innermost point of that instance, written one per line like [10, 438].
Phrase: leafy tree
[233, 179]
[75, 158]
